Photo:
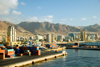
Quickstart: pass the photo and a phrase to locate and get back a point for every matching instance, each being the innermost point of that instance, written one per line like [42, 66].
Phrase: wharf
[24, 60]
[83, 48]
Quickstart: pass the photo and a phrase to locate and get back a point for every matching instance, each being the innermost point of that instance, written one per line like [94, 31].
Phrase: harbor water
[75, 57]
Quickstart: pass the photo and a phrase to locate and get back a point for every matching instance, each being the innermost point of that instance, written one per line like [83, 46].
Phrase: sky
[69, 12]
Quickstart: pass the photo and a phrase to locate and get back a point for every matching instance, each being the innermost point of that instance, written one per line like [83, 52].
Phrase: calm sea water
[74, 58]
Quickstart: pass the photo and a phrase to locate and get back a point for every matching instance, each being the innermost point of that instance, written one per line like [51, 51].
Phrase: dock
[83, 48]
[24, 60]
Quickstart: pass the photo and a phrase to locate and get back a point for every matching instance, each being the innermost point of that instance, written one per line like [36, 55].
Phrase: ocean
[75, 57]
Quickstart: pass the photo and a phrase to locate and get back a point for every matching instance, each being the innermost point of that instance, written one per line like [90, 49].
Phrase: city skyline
[69, 12]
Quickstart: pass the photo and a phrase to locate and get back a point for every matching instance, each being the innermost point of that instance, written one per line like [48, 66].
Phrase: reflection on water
[74, 58]
[76, 50]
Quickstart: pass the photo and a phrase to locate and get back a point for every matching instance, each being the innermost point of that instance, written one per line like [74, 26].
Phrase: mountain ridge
[5, 24]
[47, 27]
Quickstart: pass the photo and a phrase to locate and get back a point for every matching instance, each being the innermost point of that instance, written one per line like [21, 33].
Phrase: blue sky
[69, 12]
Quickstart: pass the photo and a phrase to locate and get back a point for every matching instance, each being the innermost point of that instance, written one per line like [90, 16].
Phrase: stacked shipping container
[52, 46]
[10, 53]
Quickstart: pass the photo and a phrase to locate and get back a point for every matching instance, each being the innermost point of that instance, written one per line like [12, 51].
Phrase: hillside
[4, 26]
[46, 27]
[30, 28]
[92, 28]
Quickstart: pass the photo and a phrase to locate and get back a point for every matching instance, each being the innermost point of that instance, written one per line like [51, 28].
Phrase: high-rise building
[72, 35]
[96, 36]
[52, 37]
[39, 37]
[56, 37]
[83, 35]
[68, 38]
[48, 38]
[60, 38]
[11, 34]
[93, 37]
[88, 37]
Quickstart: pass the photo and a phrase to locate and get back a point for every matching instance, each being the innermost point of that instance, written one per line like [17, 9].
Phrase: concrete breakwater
[24, 60]
[83, 48]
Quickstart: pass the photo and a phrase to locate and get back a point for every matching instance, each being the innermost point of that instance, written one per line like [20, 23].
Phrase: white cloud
[63, 19]
[48, 18]
[94, 17]
[6, 5]
[33, 19]
[83, 18]
[11, 19]
[39, 7]
[22, 3]
[71, 19]
[62, 22]
[16, 12]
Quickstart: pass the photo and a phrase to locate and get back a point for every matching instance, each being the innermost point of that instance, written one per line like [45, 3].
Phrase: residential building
[11, 34]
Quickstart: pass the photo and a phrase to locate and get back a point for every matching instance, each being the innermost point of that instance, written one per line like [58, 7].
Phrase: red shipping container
[2, 51]
[2, 56]
[26, 48]
[25, 53]
[38, 52]
[10, 53]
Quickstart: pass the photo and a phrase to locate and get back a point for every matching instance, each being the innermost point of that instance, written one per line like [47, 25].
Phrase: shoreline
[79, 48]
[24, 60]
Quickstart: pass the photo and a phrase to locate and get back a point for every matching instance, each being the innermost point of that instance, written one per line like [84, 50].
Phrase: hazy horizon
[69, 12]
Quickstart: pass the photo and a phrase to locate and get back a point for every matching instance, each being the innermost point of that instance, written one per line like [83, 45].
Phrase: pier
[24, 60]
[83, 48]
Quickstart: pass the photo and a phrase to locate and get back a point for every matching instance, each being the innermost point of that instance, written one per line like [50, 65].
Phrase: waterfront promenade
[23, 60]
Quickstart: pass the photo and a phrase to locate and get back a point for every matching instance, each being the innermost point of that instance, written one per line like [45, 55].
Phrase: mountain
[4, 26]
[92, 28]
[46, 27]
[30, 28]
